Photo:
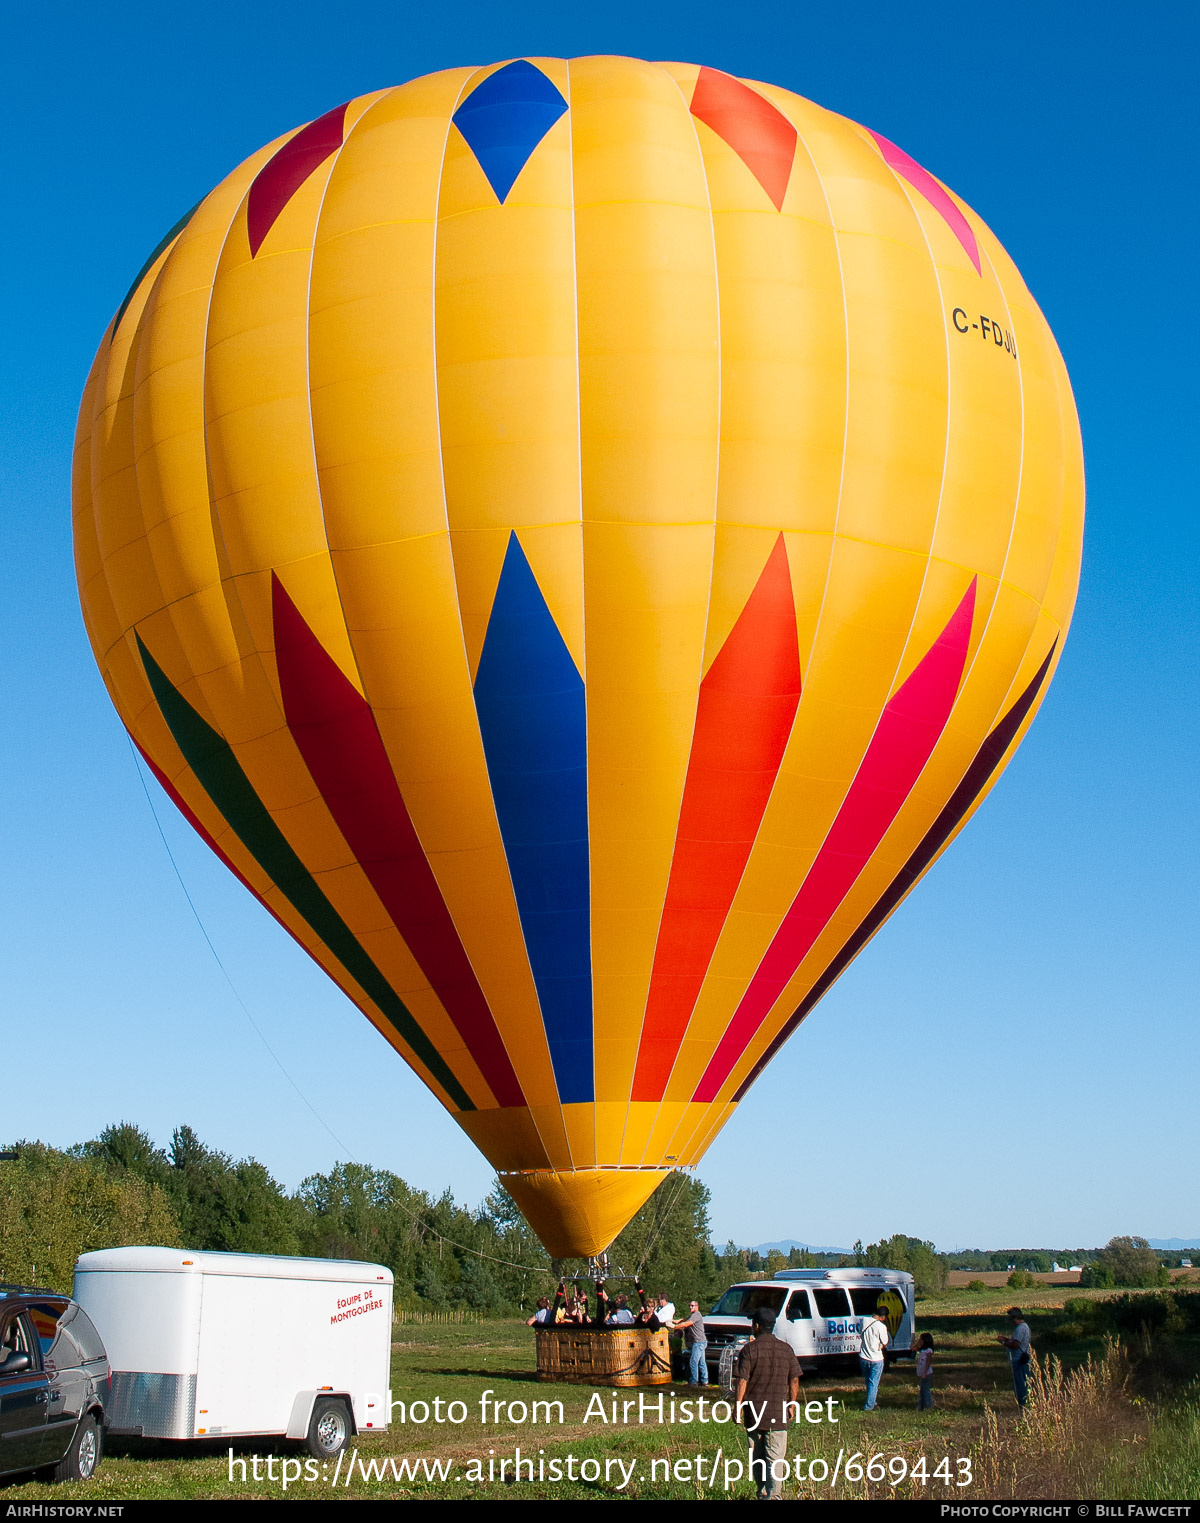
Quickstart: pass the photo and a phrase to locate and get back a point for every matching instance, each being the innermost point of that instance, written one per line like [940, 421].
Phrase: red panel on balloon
[908, 730]
[335, 730]
[744, 715]
[286, 171]
[761, 136]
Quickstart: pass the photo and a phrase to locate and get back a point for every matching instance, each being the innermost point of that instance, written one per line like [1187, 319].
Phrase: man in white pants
[870, 1357]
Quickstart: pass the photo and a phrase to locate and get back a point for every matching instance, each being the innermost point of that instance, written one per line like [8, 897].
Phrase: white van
[212, 1345]
[818, 1312]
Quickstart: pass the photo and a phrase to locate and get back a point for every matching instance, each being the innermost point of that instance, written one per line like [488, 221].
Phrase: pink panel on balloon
[922, 180]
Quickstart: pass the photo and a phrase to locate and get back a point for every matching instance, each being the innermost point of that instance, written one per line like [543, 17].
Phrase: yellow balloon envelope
[578, 539]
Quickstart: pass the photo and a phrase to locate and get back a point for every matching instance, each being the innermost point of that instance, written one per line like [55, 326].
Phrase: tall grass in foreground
[1071, 1423]
[1086, 1434]
[1168, 1467]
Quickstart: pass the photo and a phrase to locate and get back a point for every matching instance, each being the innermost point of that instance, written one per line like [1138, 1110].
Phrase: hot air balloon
[578, 540]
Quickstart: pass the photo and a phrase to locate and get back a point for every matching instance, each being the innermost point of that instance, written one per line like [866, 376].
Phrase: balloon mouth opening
[577, 1214]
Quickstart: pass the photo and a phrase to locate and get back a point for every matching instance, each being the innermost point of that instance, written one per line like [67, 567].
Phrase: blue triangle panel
[506, 117]
[533, 718]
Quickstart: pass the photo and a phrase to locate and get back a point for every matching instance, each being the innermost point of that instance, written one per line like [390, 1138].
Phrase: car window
[44, 1316]
[15, 1338]
[831, 1302]
[82, 1330]
[745, 1300]
[64, 1353]
[798, 1309]
[75, 1341]
[865, 1298]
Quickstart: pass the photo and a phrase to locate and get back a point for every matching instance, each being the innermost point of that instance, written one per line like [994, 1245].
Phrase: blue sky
[1014, 1058]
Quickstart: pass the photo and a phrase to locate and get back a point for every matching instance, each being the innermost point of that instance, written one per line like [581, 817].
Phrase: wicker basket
[604, 1356]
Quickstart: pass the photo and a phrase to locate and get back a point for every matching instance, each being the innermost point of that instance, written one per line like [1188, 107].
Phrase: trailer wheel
[328, 1429]
[80, 1461]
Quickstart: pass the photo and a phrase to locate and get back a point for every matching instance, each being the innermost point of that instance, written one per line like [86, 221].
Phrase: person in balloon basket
[693, 1327]
[544, 1315]
[1017, 1344]
[620, 1316]
[767, 1389]
[875, 1337]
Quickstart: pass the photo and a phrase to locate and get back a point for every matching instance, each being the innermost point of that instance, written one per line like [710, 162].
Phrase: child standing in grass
[925, 1373]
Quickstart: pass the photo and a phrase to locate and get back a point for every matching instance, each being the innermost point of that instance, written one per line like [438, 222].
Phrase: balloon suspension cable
[415, 1216]
[217, 957]
[662, 1222]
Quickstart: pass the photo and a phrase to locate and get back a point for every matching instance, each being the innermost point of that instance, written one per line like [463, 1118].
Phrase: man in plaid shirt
[768, 1386]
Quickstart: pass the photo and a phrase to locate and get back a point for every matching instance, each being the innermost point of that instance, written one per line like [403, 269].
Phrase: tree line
[120, 1188]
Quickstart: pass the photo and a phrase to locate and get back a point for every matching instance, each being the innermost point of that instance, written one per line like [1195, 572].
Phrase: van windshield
[745, 1300]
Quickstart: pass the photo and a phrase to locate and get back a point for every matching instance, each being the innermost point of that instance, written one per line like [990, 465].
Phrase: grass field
[1099, 1429]
[992, 1278]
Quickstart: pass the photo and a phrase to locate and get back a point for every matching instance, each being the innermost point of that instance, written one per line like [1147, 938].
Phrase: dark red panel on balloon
[744, 716]
[938, 198]
[908, 730]
[335, 730]
[286, 171]
[761, 136]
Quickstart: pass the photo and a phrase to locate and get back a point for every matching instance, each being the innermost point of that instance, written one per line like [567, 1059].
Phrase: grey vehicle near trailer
[54, 1385]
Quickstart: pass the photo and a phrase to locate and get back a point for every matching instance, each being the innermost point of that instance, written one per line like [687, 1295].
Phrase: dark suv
[54, 1383]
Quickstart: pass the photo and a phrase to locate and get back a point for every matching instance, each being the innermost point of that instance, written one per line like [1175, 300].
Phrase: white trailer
[213, 1345]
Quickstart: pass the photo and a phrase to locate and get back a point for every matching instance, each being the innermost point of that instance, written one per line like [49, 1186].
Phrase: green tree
[54, 1206]
[126, 1149]
[440, 1253]
[356, 1212]
[731, 1266]
[1132, 1262]
[920, 1258]
[513, 1244]
[226, 1206]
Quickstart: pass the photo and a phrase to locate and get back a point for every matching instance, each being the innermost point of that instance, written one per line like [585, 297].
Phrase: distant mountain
[1173, 1244]
[789, 1243]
